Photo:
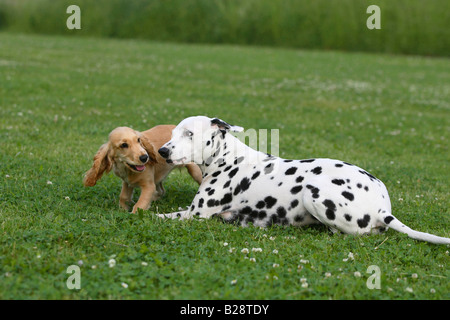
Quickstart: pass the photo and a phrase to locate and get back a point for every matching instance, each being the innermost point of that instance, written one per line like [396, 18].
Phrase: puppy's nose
[164, 152]
[143, 158]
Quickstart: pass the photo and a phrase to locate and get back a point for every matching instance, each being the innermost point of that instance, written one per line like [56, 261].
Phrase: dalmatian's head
[195, 139]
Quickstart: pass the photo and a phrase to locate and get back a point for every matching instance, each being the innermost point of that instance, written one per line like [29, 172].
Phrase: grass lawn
[61, 96]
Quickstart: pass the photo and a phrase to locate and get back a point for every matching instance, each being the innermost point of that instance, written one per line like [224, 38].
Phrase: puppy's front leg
[147, 191]
[125, 196]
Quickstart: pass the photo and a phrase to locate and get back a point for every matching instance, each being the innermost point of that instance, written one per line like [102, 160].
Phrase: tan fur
[112, 155]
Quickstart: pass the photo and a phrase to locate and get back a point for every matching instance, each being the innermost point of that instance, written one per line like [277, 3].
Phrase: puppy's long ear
[102, 163]
[148, 146]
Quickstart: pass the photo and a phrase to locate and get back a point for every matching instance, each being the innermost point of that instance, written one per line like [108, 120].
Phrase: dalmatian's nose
[164, 152]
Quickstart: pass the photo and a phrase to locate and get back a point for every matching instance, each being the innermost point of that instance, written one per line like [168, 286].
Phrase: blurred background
[414, 27]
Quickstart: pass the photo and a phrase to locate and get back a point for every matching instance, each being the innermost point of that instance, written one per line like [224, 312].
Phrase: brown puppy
[134, 158]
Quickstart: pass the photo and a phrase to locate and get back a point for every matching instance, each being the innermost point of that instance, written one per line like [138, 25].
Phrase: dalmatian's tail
[397, 225]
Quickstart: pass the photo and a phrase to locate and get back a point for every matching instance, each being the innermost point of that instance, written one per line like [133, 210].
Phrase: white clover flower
[432, 290]
[252, 259]
[143, 263]
[409, 289]
[414, 276]
[327, 274]
[350, 256]
[303, 280]
[225, 244]
[256, 250]
[275, 251]
[357, 274]
[272, 238]
[245, 250]
[123, 284]
[305, 285]
[67, 198]
[304, 261]
[276, 265]
[112, 263]
[233, 282]
[49, 182]
[80, 262]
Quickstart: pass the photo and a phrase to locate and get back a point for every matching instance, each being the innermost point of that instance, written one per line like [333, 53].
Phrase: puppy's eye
[189, 133]
[139, 140]
[124, 145]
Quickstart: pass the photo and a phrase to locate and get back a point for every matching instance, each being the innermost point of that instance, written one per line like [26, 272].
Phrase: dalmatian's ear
[225, 127]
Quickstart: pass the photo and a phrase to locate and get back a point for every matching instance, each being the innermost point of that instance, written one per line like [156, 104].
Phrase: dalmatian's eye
[189, 133]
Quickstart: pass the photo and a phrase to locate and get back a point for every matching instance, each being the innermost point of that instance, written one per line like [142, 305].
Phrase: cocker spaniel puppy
[133, 157]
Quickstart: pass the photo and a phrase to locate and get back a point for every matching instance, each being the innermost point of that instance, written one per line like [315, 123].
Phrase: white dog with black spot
[243, 185]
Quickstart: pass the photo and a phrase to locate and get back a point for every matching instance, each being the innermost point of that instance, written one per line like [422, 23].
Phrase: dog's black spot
[192, 207]
[281, 212]
[226, 198]
[288, 160]
[215, 174]
[348, 195]
[211, 192]
[291, 171]
[362, 223]
[238, 160]
[338, 165]
[294, 203]
[331, 209]
[296, 189]
[227, 168]
[272, 220]
[262, 214]
[261, 204]
[237, 189]
[359, 185]
[314, 191]
[366, 188]
[369, 175]
[269, 168]
[347, 217]
[200, 202]
[233, 172]
[349, 164]
[339, 182]
[246, 210]
[388, 219]
[270, 201]
[197, 213]
[307, 161]
[280, 183]
[298, 218]
[317, 170]
[299, 179]
[208, 143]
[227, 184]
[211, 203]
[255, 175]
[213, 181]
[209, 161]
[245, 184]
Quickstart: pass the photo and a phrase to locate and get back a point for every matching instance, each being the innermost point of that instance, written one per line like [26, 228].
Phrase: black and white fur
[244, 185]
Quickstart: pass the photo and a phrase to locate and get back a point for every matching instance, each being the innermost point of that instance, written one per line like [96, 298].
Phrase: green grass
[60, 97]
[407, 26]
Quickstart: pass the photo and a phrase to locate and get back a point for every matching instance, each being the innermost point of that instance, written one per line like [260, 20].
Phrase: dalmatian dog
[245, 186]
